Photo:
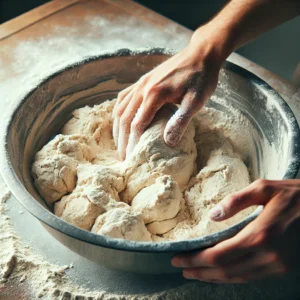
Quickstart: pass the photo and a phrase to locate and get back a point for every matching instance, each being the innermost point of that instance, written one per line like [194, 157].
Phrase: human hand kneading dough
[188, 78]
[270, 245]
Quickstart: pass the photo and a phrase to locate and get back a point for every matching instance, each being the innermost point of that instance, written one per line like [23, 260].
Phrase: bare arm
[241, 21]
[190, 77]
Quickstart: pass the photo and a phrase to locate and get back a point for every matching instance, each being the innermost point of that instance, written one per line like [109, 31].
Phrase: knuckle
[121, 95]
[143, 79]
[119, 111]
[214, 259]
[137, 125]
[264, 186]
[261, 239]
[233, 199]
[274, 257]
[151, 92]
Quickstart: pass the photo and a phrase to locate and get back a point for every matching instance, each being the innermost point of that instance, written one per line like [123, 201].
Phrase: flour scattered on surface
[20, 264]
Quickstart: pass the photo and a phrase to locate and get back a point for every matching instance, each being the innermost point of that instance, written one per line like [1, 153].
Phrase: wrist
[216, 45]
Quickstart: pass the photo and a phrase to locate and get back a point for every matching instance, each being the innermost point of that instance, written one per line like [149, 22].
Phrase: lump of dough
[54, 168]
[91, 121]
[101, 198]
[77, 210]
[122, 223]
[152, 157]
[109, 180]
[162, 226]
[54, 176]
[225, 173]
[159, 201]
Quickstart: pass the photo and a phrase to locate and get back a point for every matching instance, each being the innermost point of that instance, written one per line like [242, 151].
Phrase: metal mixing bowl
[39, 116]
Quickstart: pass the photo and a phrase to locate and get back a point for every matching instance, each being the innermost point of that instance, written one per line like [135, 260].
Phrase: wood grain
[38, 14]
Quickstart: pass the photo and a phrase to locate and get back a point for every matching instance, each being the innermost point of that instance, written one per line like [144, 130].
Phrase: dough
[223, 174]
[54, 168]
[78, 210]
[122, 223]
[152, 157]
[162, 226]
[158, 193]
[159, 201]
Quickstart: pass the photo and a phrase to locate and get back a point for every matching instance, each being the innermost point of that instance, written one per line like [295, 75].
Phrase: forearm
[241, 21]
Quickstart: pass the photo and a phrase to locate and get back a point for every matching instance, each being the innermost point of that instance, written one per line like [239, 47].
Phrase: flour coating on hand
[158, 193]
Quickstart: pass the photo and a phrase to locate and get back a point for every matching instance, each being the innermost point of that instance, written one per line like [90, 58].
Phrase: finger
[125, 123]
[218, 275]
[141, 121]
[250, 267]
[257, 193]
[120, 98]
[179, 122]
[217, 255]
[252, 262]
[210, 275]
[262, 233]
[263, 272]
[124, 98]
[259, 234]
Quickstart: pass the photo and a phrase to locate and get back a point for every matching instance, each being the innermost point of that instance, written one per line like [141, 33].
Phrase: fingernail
[216, 213]
[176, 262]
[172, 139]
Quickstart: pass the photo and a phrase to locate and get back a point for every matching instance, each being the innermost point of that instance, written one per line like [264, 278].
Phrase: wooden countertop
[39, 21]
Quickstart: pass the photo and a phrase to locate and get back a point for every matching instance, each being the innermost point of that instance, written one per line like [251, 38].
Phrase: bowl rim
[49, 219]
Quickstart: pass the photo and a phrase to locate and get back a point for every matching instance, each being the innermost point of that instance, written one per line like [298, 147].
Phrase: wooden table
[59, 27]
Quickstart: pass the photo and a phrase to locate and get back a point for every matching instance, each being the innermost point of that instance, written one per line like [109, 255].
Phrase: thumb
[257, 193]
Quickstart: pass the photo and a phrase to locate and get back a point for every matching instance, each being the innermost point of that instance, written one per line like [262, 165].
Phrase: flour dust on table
[159, 193]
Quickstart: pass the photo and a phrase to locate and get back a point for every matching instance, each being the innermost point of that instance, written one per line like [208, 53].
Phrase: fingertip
[121, 156]
[217, 213]
[171, 139]
[132, 141]
[177, 262]
[176, 127]
[172, 134]
[120, 150]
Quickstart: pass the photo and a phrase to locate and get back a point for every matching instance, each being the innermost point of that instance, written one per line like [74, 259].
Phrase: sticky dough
[158, 193]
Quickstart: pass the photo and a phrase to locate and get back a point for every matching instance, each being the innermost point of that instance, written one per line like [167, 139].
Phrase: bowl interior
[265, 136]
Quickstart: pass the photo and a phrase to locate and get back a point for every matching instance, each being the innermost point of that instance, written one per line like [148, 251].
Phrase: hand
[269, 245]
[188, 78]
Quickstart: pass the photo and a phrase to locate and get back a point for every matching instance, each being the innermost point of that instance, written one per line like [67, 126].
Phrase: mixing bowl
[272, 141]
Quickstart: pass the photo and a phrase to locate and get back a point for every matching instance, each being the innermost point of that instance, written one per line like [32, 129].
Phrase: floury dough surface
[158, 193]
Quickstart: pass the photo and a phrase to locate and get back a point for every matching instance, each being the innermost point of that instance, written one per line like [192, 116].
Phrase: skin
[270, 245]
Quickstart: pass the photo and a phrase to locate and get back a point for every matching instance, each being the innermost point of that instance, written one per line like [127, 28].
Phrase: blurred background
[277, 50]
